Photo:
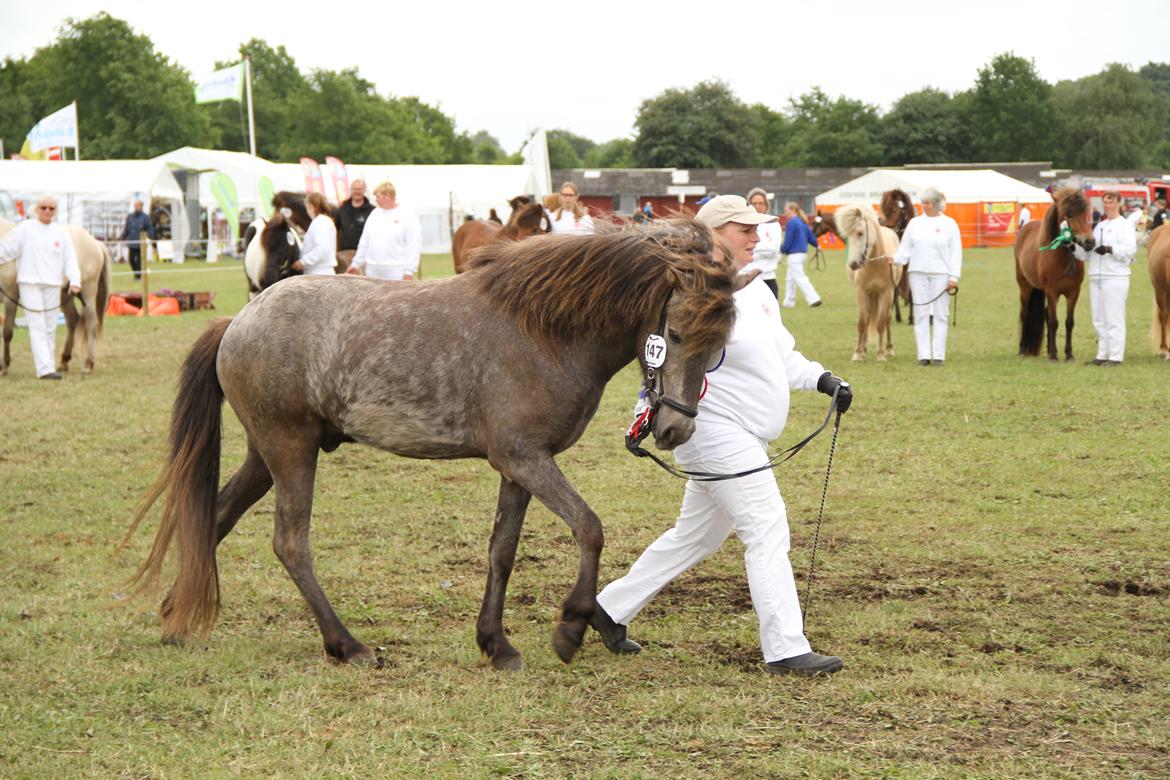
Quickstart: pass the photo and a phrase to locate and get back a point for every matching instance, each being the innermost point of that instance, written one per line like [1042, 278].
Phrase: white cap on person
[730, 208]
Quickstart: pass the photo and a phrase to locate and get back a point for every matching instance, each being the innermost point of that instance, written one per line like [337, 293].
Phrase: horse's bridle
[653, 393]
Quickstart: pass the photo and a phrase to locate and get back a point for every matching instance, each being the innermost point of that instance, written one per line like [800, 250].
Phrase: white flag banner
[57, 129]
[535, 155]
[225, 84]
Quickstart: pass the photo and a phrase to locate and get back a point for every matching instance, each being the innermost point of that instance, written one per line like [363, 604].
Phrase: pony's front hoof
[354, 653]
[508, 662]
[858, 357]
[881, 358]
[87, 368]
[567, 638]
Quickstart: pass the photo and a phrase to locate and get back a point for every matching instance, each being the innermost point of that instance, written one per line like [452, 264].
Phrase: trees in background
[703, 127]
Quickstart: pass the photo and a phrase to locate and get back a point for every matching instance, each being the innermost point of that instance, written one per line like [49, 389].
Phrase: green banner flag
[224, 192]
[267, 193]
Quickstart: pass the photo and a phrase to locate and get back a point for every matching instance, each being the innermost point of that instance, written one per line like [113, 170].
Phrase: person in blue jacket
[798, 237]
[136, 224]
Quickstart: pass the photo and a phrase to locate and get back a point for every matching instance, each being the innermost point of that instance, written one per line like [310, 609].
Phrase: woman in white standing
[933, 251]
[319, 250]
[391, 242]
[46, 256]
[798, 236]
[745, 407]
[571, 217]
[767, 252]
[1108, 269]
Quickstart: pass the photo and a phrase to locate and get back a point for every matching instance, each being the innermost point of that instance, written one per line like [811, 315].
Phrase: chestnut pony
[1047, 270]
[506, 362]
[528, 219]
[1158, 248]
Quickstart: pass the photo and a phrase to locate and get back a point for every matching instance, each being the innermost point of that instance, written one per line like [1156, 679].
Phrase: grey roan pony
[506, 362]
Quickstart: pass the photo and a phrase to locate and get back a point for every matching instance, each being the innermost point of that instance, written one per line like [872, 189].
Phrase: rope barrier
[236, 268]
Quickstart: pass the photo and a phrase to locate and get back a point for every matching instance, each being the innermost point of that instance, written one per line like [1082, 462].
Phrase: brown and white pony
[1044, 275]
[261, 270]
[93, 259]
[1158, 248]
[870, 249]
[896, 212]
[528, 219]
[506, 362]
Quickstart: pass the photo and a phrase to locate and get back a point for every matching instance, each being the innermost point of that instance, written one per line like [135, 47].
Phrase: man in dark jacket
[136, 224]
[351, 220]
[1159, 214]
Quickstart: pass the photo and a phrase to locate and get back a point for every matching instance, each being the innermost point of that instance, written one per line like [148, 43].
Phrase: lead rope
[820, 519]
[16, 301]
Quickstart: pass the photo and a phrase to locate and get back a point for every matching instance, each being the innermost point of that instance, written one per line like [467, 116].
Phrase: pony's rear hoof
[567, 640]
[508, 662]
[858, 357]
[365, 657]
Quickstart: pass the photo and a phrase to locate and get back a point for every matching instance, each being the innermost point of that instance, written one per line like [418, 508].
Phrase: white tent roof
[964, 186]
[237, 166]
[104, 179]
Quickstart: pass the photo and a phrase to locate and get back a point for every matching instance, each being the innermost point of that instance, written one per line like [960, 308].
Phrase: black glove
[1103, 249]
[828, 384]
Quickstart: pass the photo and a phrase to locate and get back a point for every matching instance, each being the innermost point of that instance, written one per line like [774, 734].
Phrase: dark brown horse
[1158, 249]
[506, 362]
[896, 212]
[526, 221]
[824, 222]
[1045, 274]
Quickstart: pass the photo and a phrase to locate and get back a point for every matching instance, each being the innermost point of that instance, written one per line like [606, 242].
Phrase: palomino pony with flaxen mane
[870, 249]
[1046, 270]
[1158, 248]
[896, 212]
[93, 260]
[506, 362]
[528, 219]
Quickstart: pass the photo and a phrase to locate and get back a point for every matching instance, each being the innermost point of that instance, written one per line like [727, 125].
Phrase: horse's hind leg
[489, 629]
[862, 328]
[1053, 324]
[294, 469]
[1070, 308]
[90, 319]
[9, 326]
[541, 477]
[247, 486]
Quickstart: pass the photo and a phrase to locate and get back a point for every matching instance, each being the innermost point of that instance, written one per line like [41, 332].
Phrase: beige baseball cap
[730, 208]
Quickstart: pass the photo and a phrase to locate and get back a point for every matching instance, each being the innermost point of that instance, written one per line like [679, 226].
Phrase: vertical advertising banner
[313, 180]
[224, 192]
[340, 178]
[997, 219]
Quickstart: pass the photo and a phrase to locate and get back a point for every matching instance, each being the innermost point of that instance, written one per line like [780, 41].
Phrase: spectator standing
[1160, 214]
[137, 223]
[570, 216]
[46, 256]
[350, 218]
[1025, 217]
[319, 249]
[745, 406]
[932, 250]
[1108, 269]
[798, 237]
[391, 243]
[766, 255]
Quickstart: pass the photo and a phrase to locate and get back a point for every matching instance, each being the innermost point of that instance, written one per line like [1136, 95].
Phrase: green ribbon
[1065, 236]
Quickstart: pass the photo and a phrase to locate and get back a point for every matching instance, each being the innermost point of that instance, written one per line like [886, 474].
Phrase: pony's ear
[743, 280]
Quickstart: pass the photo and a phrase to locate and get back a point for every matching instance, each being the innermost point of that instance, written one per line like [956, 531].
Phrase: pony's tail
[1032, 325]
[103, 290]
[190, 479]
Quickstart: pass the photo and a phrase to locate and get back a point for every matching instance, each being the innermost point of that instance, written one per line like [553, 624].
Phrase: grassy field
[994, 569]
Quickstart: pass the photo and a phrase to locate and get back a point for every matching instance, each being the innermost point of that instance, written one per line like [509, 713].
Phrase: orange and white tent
[985, 203]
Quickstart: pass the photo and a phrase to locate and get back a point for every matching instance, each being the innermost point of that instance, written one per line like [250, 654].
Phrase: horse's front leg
[89, 313]
[862, 329]
[489, 629]
[1053, 323]
[540, 476]
[9, 326]
[885, 335]
[71, 319]
[1070, 307]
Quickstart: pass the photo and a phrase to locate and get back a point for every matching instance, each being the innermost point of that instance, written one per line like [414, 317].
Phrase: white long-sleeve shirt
[749, 390]
[319, 250]
[569, 224]
[1117, 233]
[45, 252]
[767, 253]
[932, 245]
[391, 237]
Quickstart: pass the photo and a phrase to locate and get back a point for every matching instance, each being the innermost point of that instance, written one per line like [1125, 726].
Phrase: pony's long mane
[559, 287]
[274, 237]
[1067, 202]
[849, 221]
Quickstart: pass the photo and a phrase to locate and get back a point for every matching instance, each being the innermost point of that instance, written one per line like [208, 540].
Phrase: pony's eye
[674, 336]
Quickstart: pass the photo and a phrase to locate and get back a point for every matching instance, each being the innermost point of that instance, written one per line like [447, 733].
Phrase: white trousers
[796, 277]
[391, 272]
[924, 287]
[1107, 296]
[753, 508]
[42, 303]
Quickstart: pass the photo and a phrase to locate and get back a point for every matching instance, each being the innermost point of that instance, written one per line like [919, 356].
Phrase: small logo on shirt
[56, 244]
[766, 309]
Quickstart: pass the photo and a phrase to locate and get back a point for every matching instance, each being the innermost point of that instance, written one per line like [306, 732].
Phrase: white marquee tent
[95, 194]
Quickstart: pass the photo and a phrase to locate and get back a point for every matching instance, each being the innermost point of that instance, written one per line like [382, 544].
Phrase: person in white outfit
[319, 249]
[744, 408]
[46, 256]
[1108, 269]
[766, 255]
[391, 242]
[933, 251]
[798, 237]
[1025, 217]
[570, 218]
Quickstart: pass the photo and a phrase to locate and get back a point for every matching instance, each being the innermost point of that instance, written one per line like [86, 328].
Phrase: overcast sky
[586, 67]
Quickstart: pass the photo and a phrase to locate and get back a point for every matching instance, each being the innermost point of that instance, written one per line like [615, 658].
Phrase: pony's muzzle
[672, 429]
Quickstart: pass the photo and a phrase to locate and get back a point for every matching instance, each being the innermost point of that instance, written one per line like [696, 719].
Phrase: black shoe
[815, 304]
[613, 635]
[807, 665]
[1113, 362]
[53, 375]
[936, 362]
[1096, 362]
[924, 362]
